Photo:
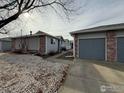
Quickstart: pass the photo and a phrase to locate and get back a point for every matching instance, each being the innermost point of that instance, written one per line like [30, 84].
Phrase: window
[53, 41]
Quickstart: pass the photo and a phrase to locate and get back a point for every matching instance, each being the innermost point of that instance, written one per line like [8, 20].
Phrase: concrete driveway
[86, 76]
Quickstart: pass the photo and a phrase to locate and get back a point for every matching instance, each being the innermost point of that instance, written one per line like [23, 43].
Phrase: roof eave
[100, 29]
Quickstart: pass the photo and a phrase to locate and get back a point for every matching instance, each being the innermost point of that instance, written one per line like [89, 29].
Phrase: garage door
[92, 49]
[120, 49]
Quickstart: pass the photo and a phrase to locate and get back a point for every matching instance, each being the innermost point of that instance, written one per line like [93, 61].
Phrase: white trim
[92, 35]
[100, 28]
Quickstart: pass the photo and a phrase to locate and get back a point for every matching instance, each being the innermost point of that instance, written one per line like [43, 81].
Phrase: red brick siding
[26, 41]
[111, 46]
[27, 44]
[42, 45]
[13, 44]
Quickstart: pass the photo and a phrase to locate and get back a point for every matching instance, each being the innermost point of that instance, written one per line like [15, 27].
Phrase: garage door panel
[120, 49]
[92, 49]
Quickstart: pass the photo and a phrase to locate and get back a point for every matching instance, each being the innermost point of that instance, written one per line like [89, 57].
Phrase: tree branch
[8, 5]
[17, 7]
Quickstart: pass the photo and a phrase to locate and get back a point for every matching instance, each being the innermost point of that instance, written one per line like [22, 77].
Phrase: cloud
[91, 13]
[101, 10]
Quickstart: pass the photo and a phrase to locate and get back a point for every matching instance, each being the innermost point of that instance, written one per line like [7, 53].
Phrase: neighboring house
[39, 42]
[68, 44]
[61, 43]
[71, 44]
[5, 44]
[101, 43]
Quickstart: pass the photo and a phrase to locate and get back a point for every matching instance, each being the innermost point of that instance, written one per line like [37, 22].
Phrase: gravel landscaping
[29, 74]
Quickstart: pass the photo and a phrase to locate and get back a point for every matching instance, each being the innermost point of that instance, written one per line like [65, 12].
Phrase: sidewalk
[86, 76]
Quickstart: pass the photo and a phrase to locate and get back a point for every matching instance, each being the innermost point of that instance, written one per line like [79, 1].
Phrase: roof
[67, 40]
[60, 37]
[39, 33]
[5, 39]
[100, 28]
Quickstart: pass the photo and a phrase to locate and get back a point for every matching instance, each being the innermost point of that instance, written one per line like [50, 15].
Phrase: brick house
[100, 43]
[39, 42]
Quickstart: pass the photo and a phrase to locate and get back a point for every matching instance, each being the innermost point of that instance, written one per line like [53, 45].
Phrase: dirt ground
[29, 74]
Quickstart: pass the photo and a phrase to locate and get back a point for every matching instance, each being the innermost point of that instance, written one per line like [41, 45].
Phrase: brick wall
[111, 46]
[13, 44]
[42, 45]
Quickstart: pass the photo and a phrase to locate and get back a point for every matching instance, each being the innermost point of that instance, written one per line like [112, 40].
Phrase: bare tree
[10, 10]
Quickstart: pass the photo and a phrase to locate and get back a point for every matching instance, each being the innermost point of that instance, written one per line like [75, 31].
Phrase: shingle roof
[5, 39]
[39, 33]
[100, 28]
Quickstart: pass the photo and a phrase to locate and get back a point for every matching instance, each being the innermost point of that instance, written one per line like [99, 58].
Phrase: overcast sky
[92, 13]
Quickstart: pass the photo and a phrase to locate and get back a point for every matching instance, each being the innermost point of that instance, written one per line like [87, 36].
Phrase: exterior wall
[6, 45]
[111, 46]
[13, 45]
[92, 35]
[33, 43]
[51, 47]
[67, 44]
[61, 45]
[42, 46]
[17, 43]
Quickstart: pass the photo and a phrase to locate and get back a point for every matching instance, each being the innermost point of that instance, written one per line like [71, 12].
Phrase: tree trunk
[8, 20]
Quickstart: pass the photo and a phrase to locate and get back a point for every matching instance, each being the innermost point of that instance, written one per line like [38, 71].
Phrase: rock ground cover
[29, 74]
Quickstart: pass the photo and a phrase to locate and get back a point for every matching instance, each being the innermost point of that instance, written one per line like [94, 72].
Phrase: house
[39, 42]
[61, 43]
[71, 42]
[101, 43]
[68, 44]
[5, 44]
